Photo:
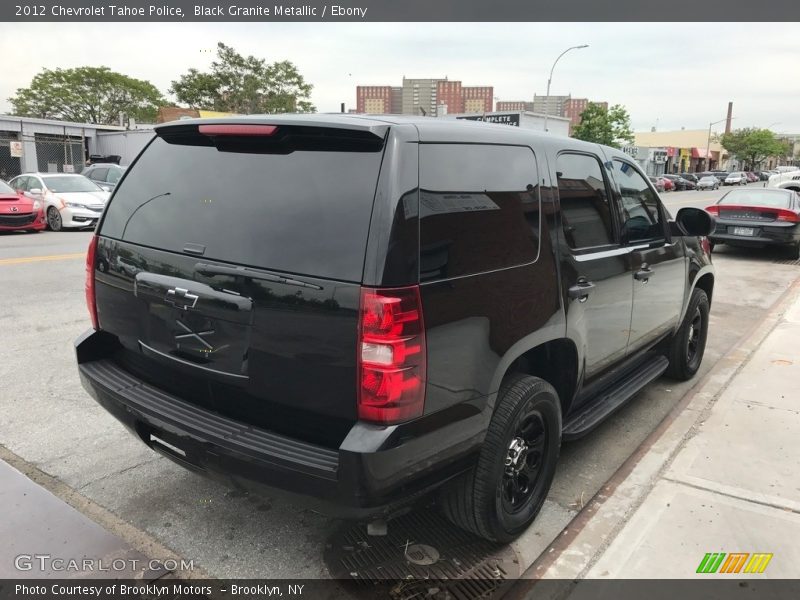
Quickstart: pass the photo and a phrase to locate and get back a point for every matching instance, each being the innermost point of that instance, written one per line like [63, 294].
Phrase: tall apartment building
[514, 105]
[422, 97]
[378, 99]
[419, 96]
[550, 105]
[575, 106]
[478, 99]
[450, 94]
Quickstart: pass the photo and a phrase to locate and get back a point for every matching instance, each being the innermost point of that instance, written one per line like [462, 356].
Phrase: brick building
[423, 97]
[376, 99]
[450, 94]
[477, 99]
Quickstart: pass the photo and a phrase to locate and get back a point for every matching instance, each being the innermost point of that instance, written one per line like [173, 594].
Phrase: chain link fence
[55, 153]
[59, 153]
[10, 159]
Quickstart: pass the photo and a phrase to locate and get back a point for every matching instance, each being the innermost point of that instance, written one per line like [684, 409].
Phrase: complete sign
[507, 119]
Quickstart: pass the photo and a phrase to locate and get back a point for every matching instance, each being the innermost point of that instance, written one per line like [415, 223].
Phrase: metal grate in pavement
[422, 556]
[788, 261]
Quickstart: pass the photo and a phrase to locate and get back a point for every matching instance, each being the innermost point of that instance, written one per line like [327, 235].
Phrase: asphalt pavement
[55, 433]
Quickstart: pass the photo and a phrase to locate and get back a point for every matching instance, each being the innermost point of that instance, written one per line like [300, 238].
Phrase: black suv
[362, 310]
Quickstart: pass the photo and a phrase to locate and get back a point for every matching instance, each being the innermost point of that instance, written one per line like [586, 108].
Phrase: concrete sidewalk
[43, 537]
[723, 476]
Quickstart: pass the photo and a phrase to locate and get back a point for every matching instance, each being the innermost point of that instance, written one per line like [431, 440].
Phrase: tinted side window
[20, 183]
[585, 212]
[641, 218]
[479, 209]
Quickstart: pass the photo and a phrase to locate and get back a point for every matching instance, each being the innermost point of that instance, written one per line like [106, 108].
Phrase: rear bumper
[765, 234]
[375, 471]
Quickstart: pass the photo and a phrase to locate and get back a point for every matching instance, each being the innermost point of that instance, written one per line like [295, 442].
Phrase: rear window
[774, 199]
[304, 211]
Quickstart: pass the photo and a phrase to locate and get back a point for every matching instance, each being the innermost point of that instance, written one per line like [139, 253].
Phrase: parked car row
[34, 201]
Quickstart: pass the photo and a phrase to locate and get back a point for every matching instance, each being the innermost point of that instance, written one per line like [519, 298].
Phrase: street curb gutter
[577, 547]
[139, 540]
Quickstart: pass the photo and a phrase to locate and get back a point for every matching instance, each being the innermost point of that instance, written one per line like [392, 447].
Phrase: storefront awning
[700, 153]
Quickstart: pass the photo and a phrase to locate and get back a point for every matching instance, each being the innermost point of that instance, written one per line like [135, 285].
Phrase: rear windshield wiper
[211, 270]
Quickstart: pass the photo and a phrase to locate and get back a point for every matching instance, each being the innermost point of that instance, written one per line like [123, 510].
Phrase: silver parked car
[105, 175]
[709, 182]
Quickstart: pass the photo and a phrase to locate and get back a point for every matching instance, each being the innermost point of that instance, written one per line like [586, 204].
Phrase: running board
[611, 399]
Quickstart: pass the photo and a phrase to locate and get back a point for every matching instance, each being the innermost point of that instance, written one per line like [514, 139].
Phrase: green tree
[244, 84]
[611, 127]
[87, 95]
[753, 145]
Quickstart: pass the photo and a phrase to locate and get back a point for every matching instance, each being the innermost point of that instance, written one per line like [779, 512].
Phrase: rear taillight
[391, 355]
[91, 302]
[787, 215]
[713, 210]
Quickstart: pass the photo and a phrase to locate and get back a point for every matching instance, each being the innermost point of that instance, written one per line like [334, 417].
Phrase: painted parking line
[29, 259]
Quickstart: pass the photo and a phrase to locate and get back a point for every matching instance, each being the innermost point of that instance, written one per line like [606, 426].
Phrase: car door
[595, 270]
[657, 263]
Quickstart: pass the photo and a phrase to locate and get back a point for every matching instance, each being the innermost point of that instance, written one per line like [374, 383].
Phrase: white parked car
[70, 200]
[736, 178]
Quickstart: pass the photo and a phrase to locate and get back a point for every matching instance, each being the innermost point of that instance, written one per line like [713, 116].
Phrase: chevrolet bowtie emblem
[182, 298]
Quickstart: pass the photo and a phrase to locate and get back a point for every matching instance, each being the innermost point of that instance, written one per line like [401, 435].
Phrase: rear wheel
[54, 219]
[689, 343]
[794, 251]
[502, 494]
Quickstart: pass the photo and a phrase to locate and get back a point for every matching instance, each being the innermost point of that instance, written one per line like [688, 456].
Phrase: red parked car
[668, 184]
[751, 177]
[18, 211]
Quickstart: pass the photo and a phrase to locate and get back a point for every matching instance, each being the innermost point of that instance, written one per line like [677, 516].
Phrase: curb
[581, 542]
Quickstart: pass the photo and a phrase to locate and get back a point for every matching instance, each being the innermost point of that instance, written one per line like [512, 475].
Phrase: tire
[54, 221]
[794, 251]
[496, 499]
[688, 345]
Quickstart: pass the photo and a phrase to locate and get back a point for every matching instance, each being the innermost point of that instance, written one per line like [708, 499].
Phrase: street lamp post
[708, 142]
[550, 79]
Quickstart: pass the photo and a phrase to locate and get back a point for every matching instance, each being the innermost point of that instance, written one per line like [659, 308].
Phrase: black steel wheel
[688, 345]
[502, 494]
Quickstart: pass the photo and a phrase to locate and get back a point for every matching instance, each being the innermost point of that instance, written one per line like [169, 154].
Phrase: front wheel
[502, 494]
[688, 345]
[54, 219]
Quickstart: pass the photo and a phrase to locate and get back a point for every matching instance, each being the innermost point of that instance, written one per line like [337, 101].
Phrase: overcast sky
[667, 75]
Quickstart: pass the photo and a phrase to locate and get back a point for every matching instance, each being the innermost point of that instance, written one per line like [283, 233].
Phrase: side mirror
[693, 222]
[36, 192]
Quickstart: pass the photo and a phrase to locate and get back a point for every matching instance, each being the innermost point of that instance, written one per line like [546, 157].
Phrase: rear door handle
[581, 290]
[643, 274]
